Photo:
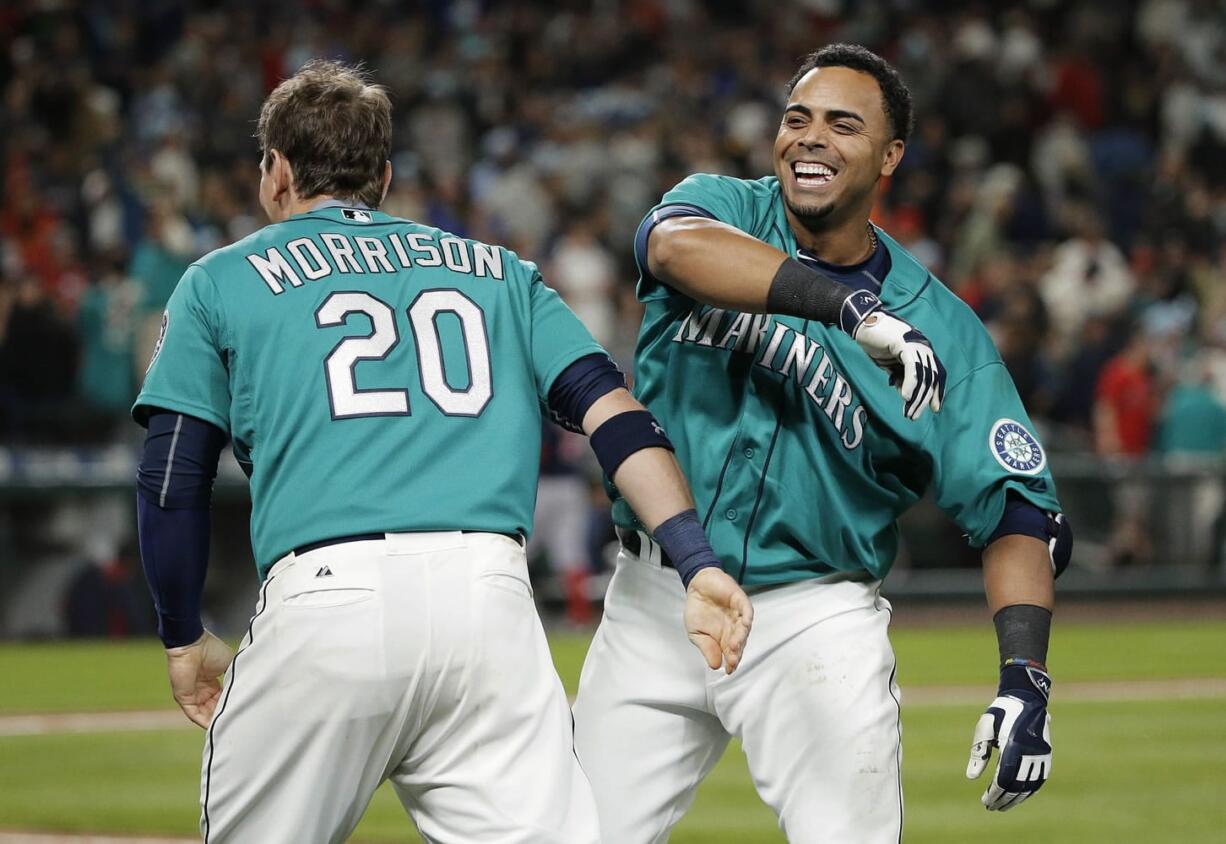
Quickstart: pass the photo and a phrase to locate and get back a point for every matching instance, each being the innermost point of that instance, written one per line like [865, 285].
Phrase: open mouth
[812, 174]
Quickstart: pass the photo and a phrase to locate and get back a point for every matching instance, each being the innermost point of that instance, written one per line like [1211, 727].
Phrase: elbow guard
[1060, 544]
[1022, 517]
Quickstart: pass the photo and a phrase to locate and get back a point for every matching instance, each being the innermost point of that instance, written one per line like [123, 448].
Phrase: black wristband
[622, 435]
[1022, 633]
[799, 291]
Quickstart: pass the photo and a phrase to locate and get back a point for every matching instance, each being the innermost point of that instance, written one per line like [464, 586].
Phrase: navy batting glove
[1018, 724]
[899, 348]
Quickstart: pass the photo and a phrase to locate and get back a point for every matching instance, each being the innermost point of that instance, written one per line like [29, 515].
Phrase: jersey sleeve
[721, 198]
[558, 337]
[982, 446]
[188, 371]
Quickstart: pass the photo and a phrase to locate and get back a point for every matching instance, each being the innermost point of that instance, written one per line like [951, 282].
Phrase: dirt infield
[92, 722]
[912, 696]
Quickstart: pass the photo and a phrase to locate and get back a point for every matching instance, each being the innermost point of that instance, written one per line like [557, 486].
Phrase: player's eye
[844, 128]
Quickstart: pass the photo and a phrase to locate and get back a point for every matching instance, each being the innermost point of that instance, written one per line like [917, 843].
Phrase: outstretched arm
[721, 265]
[718, 615]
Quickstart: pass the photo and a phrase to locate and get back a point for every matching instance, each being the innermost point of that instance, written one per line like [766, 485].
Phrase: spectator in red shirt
[1125, 409]
[1126, 402]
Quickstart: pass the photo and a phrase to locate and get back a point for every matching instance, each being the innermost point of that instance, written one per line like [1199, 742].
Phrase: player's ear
[281, 174]
[387, 180]
[893, 156]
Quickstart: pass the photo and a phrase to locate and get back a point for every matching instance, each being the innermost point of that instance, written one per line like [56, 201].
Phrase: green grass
[1082, 652]
[122, 782]
[1125, 770]
[83, 677]
[103, 676]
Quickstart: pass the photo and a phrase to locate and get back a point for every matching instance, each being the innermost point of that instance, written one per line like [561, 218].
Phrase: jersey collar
[354, 213]
[868, 274]
[336, 203]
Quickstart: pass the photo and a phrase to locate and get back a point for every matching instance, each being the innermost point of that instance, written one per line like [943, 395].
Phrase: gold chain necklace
[872, 243]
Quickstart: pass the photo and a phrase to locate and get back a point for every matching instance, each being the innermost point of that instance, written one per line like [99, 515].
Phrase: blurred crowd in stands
[1066, 176]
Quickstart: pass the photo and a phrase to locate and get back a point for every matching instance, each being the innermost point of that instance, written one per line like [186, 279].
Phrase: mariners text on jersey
[316, 258]
[786, 352]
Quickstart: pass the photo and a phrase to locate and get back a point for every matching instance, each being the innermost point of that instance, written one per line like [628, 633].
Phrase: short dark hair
[895, 96]
[334, 127]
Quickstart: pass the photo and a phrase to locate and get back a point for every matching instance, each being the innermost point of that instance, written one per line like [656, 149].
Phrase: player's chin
[810, 209]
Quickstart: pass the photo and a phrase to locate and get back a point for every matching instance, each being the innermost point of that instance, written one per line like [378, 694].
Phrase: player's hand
[718, 617]
[195, 676]
[1018, 724]
[900, 349]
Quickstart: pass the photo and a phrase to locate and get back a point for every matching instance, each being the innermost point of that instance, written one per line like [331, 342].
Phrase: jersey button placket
[730, 514]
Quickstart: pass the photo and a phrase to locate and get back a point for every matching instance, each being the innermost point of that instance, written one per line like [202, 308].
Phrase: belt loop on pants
[640, 544]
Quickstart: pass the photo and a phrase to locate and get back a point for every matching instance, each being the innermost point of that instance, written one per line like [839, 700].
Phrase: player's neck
[843, 244]
[298, 205]
[292, 205]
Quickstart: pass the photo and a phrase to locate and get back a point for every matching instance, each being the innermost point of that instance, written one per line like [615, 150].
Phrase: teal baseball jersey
[795, 444]
[372, 373]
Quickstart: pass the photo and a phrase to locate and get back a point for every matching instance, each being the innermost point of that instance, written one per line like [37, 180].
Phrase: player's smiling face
[834, 143]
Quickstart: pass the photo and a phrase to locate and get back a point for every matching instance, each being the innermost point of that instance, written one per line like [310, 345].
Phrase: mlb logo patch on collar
[356, 214]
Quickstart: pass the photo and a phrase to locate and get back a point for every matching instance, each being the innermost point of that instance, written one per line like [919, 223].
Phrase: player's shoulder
[747, 203]
[917, 295]
[764, 189]
[510, 266]
[219, 263]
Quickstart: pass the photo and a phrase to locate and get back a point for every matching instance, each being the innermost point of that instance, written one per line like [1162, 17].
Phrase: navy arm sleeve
[579, 386]
[174, 485]
[654, 219]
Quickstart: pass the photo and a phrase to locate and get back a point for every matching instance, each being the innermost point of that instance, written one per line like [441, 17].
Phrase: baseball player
[761, 298]
[381, 382]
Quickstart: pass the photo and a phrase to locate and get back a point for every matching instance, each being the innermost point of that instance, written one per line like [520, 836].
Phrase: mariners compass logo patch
[157, 347]
[1015, 448]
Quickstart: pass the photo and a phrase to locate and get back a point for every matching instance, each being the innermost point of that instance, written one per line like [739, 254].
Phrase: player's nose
[814, 138]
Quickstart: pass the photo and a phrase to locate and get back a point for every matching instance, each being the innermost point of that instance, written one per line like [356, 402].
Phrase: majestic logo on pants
[1015, 448]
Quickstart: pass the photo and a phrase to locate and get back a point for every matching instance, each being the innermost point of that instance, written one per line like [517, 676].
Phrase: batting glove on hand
[1018, 724]
[899, 348]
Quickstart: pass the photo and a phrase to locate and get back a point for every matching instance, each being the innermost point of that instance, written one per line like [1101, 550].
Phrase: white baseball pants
[814, 703]
[417, 658]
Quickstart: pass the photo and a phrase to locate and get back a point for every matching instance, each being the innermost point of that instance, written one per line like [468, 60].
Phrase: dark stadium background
[1066, 177]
